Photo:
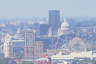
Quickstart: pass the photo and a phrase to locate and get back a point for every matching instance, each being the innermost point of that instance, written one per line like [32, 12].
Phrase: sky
[39, 8]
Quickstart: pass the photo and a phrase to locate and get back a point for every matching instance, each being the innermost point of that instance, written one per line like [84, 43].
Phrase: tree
[5, 60]
[19, 53]
[13, 62]
[27, 62]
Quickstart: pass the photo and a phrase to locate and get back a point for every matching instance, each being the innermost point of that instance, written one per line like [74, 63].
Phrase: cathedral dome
[65, 25]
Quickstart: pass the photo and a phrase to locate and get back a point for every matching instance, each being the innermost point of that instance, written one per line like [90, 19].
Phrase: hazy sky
[39, 8]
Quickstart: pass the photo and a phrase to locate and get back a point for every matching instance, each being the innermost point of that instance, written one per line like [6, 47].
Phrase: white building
[64, 29]
[80, 55]
[6, 46]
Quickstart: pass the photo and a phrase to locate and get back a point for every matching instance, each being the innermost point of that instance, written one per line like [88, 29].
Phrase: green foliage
[19, 53]
[7, 61]
[27, 62]
[4, 61]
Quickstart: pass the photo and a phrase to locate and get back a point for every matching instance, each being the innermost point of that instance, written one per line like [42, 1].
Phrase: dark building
[36, 26]
[54, 20]
[44, 29]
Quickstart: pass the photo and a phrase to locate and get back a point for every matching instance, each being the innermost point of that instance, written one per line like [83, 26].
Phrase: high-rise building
[35, 50]
[54, 20]
[29, 36]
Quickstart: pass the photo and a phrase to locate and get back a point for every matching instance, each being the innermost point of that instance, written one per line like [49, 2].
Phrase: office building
[29, 36]
[34, 50]
[54, 20]
[29, 39]
[44, 29]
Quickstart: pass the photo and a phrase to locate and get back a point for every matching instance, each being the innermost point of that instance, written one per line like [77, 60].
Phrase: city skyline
[35, 8]
[47, 32]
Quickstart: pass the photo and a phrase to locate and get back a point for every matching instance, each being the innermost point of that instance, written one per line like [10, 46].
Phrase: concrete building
[34, 50]
[29, 40]
[61, 58]
[17, 48]
[12, 43]
[44, 29]
[54, 20]
[51, 52]
[7, 45]
[29, 36]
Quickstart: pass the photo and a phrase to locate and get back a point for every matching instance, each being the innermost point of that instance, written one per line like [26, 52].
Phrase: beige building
[35, 49]
[7, 45]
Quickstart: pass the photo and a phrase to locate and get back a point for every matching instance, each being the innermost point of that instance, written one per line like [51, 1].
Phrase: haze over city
[47, 32]
[39, 8]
